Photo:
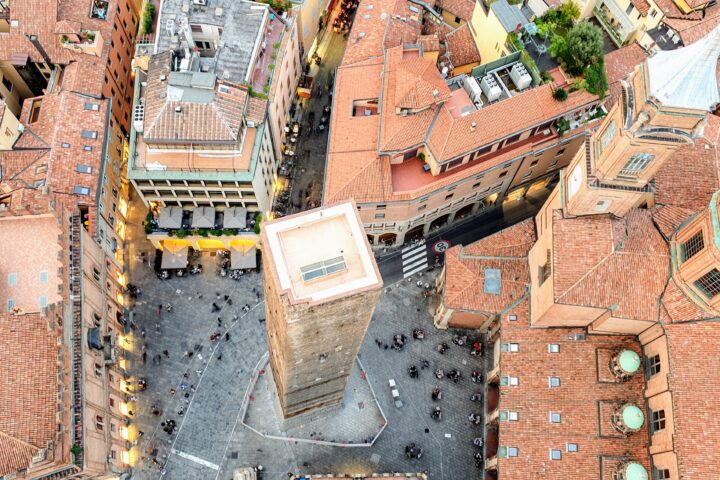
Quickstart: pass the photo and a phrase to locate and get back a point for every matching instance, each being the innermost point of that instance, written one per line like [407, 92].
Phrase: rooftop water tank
[490, 88]
[625, 364]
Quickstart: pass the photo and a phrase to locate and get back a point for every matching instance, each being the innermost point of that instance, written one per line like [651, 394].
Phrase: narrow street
[310, 151]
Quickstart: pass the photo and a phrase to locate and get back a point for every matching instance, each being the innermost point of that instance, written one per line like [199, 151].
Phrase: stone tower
[321, 287]
[664, 104]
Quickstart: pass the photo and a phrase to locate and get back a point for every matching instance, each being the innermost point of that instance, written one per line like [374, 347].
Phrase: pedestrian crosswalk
[414, 259]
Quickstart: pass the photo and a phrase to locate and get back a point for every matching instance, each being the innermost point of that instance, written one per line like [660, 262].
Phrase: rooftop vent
[473, 126]
[436, 93]
[625, 364]
[178, 109]
[163, 78]
[628, 418]
[322, 269]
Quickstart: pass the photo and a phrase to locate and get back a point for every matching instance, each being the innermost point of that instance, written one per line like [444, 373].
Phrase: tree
[595, 79]
[569, 13]
[560, 94]
[584, 47]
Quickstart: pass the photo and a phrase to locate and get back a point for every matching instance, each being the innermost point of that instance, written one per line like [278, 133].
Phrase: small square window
[65, 145]
[658, 420]
[12, 279]
[513, 416]
[43, 301]
[652, 365]
[553, 348]
[83, 168]
[661, 474]
[571, 447]
[89, 134]
[10, 304]
[512, 318]
[555, 454]
[379, 216]
[508, 380]
[77, 190]
[87, 148]
[554, 417]
[514, 347]
[43, 277]
[512, 451]
[554, 382]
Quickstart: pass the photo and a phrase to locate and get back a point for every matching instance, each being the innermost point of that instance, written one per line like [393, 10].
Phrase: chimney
[473, 125]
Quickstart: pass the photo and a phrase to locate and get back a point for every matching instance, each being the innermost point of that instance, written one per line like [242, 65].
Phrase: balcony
[615, 21]
[99, 9]
[87, 42]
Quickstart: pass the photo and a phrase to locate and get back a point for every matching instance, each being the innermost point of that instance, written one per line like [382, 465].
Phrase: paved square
[209, 380]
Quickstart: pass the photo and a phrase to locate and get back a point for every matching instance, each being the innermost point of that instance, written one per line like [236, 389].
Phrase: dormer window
[709, 284]
[637, 163]
[692, 246]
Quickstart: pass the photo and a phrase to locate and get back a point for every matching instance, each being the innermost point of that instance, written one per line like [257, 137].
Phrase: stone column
[426, 229]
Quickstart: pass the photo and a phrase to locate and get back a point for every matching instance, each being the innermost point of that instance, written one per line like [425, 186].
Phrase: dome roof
[633, 417]
[686, 77]
[629, 361]
[635, 471]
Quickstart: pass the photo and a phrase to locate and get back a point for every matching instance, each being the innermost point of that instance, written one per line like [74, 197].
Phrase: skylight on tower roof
[492, 281]
[323, 268]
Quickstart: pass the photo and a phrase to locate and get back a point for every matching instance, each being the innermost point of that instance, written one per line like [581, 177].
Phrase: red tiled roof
[692, 168]
[695, 388]
[598, 260]
[429, 43]
[28, 375]
[417, 84]
[15, 455]
[461, 47]
[586, 396]
[669, 217]
[621, 62]
[643, 6]
[460, 8]
[465, 269]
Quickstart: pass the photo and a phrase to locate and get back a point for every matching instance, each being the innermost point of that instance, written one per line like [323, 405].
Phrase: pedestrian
[157, 327]
[227, 336]
[142, 333]
[144, 357]
[219, 322]
[166, 353]
[159, 310]
[190, 354]
[172, 391]
[220, 356]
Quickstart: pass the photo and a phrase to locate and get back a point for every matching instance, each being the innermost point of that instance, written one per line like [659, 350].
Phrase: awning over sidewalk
[170, 217]
[235, 217]
[174, 259]
[203, 217]
[243, 257]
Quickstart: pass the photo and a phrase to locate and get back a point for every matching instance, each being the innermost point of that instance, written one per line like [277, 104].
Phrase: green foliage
[271, 66]
[266, 89]
[203, 232]
[546, 77]
[584, 47]
[229, 231]
[569, 13]
[563, 125]
[421, 156]
[181, 233]
[148, 228]
[277, 5]
[76, 449]
[258, 220]
[64, 39]
[513, 40]
[273, 55]
[148, 17]
[560, 94]
[558, 46]
[216, 232]
[595, 79]
[255, 94]
[90, 36]
[276, 45]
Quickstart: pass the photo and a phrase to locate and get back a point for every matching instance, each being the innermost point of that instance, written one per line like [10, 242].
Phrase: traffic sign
[441, 246]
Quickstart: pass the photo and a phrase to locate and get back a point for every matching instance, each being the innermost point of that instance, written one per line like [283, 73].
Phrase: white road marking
[195, 459]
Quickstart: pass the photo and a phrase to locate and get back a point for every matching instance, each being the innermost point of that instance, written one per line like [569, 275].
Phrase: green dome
[629, 361]
[635, 471]
[633, 417]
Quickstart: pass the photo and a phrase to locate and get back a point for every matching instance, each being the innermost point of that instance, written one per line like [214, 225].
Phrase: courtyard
[199, 384]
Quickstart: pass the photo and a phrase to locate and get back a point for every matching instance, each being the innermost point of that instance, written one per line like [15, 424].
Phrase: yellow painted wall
[450, 19]
[489, 34]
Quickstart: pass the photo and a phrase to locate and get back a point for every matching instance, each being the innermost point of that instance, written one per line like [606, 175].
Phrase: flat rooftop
[240, 25]
[322, 254]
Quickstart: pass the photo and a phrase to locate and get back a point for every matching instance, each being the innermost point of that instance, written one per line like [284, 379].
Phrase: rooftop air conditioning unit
[138, 117]
[472, 88]
[625, 364]
[520, 76]
[490, 88]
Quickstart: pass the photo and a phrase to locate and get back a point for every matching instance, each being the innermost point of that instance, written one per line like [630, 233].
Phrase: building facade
[321, 288]
[418, 151]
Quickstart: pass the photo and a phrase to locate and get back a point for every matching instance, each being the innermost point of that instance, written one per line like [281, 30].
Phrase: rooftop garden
[577, 46]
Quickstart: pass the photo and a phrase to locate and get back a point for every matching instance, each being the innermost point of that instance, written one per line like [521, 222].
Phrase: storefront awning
[243, 257]
[174, 259]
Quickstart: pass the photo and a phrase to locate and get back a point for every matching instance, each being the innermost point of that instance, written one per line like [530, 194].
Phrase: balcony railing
[616, 35]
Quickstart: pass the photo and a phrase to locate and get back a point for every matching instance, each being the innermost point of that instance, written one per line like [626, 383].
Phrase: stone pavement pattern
[211, 441]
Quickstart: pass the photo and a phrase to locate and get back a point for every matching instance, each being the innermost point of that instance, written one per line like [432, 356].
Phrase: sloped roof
[15, 455]
[460, 8]
[461, 47]
[178, 110]
[28, 380]
[608, 262]
[700, 167]
[417, 84]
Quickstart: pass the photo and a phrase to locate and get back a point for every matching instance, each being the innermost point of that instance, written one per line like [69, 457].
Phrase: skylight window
[323, 269]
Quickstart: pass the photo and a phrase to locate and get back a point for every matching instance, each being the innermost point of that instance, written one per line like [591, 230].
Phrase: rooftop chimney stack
[473, 126]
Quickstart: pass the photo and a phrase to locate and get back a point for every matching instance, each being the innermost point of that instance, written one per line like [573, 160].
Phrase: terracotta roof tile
[598, 260]
[461, 47]
[514, 241]
[695, 389]
[417, 83]
[678, 306]
[585, 400]
[28, 372]
[460, 8]
[429, 43]
[669, 217]
[643, 6]
[692, 168]
[15, 455]
[621, 62]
